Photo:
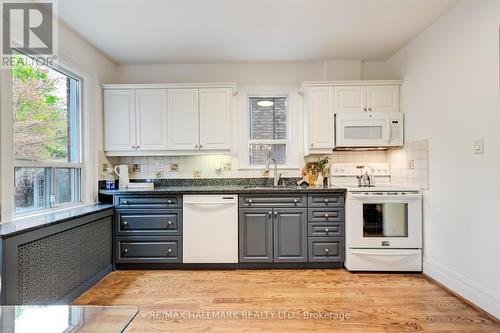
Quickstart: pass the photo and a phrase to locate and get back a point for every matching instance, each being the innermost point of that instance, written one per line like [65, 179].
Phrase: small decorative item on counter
[110, 179]
[322, 165]
[309, 174]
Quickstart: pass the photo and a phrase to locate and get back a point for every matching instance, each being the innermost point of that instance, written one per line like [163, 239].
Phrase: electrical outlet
[411, 164]
[174, 167]
[196, 173]
[227, 166]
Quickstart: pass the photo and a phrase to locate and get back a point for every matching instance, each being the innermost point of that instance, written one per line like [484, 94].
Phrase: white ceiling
[199, 31]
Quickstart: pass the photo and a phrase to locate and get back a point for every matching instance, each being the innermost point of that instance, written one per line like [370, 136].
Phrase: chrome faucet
[276, 177]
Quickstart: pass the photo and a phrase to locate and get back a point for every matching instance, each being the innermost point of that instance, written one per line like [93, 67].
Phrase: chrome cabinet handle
[275, 213]
[270, 213]
[125, 202]
[250, 201]
[169, 201]
[326, 200]
[169, 222]
[326, 215]
[125, 250]
[326, 250]
[125, 223]
[326, 230]
[295, 201]
[169, 251]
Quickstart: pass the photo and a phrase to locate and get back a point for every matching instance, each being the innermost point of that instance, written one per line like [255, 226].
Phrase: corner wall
[450, 96]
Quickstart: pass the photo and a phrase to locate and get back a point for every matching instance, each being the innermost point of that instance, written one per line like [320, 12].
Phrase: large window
[268, 129]
[47, 155]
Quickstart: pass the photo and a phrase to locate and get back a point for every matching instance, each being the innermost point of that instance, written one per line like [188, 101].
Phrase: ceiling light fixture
[265, 103]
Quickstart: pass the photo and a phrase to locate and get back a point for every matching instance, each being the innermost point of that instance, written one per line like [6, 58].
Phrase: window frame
[293, 135]
[8, 154]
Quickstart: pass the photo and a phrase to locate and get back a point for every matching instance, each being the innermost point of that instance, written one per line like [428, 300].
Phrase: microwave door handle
[387, 134]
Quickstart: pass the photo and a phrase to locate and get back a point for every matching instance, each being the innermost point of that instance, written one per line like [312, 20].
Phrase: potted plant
[322, 164]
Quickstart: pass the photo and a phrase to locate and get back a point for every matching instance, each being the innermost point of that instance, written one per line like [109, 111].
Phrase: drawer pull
[169, 222]
[326, 201]
[125, 223]
[169, 251]
[295, 201]
[125, 250]
[125, 202]
[326, 250]
[326, 230]
[326, 215]
[169, 201]
[270, 213]
[275, 213]
[250, 201]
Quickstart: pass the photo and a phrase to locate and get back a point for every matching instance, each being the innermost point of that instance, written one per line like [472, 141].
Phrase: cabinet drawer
[326, 200]
[148, 222]
[154, 201]
[326, 249]
[325, 215]
[329, 229]
[148, 250]
[273, 201]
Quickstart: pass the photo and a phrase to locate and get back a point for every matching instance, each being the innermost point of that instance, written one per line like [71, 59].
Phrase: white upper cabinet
[183, 119]
[320, 106]
[215, 118]
[350, 98]
[151, 118]
[382, 98]
[119, 120]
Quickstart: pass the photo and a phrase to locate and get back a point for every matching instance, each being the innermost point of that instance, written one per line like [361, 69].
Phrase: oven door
[382, 220]
[362, 129]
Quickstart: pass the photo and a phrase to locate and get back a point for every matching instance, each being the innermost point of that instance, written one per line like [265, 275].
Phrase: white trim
[41, 164]
[168, 152]
[232, 85]
[306, 84]
[484, 298]
[42, 212]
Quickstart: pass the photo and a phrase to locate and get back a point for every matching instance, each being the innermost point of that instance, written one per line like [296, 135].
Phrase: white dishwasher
[210, 229]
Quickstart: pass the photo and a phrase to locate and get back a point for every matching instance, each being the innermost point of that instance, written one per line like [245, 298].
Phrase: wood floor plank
[291, 299]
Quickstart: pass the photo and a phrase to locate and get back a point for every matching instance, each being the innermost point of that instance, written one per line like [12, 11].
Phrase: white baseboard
[468, 289]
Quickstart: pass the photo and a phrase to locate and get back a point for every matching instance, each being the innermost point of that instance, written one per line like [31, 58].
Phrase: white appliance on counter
[210, 229]
[383, 223]
[368, 129]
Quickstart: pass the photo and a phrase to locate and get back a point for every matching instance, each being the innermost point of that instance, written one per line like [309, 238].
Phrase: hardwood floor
[361, 302]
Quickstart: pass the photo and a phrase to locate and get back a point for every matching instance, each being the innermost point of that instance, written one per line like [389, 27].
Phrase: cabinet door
[290, 235]
[382, 98]
[350, 98]
[183, 120]
[119, 120]
[256, 235]
[215, 118]
[151, 116]
[320, 107]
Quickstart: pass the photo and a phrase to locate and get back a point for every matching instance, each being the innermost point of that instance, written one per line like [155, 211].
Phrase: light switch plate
[411, 164]
[478, 147]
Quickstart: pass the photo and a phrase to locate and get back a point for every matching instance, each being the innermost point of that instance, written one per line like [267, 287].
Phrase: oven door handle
[390, 253]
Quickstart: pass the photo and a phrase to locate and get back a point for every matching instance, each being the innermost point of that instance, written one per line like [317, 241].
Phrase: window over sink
[267, 129]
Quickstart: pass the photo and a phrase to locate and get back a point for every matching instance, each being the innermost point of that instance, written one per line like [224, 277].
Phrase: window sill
[27, 215]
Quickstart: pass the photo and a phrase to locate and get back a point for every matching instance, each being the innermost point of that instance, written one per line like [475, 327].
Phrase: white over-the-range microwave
[368, 129]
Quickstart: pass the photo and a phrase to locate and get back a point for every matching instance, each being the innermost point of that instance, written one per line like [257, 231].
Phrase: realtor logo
[28, 27]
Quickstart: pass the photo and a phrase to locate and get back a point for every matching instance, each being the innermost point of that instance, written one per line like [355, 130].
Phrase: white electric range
[383, 223]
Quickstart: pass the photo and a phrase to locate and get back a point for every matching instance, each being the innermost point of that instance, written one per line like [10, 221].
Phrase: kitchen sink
[270, 187]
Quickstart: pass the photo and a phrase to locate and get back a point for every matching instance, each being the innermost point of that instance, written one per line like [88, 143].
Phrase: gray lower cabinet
[256, 235]
[148, 229]
[290, 235]
[326, 249]
[273, 235]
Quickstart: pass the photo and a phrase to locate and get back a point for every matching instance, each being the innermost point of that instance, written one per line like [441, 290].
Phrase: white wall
[450, 96]
[268, 73]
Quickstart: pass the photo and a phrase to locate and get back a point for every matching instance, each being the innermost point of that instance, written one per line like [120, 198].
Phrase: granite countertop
[223, 189]
[22, 225]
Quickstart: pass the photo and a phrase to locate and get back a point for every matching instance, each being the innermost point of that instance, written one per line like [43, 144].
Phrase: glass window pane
[32, 189]
[267, 118]
[45, 110]
[66, 184]
[385, 220]
[258, 153]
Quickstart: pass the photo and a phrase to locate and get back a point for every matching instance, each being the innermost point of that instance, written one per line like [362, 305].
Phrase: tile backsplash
[410, 164]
